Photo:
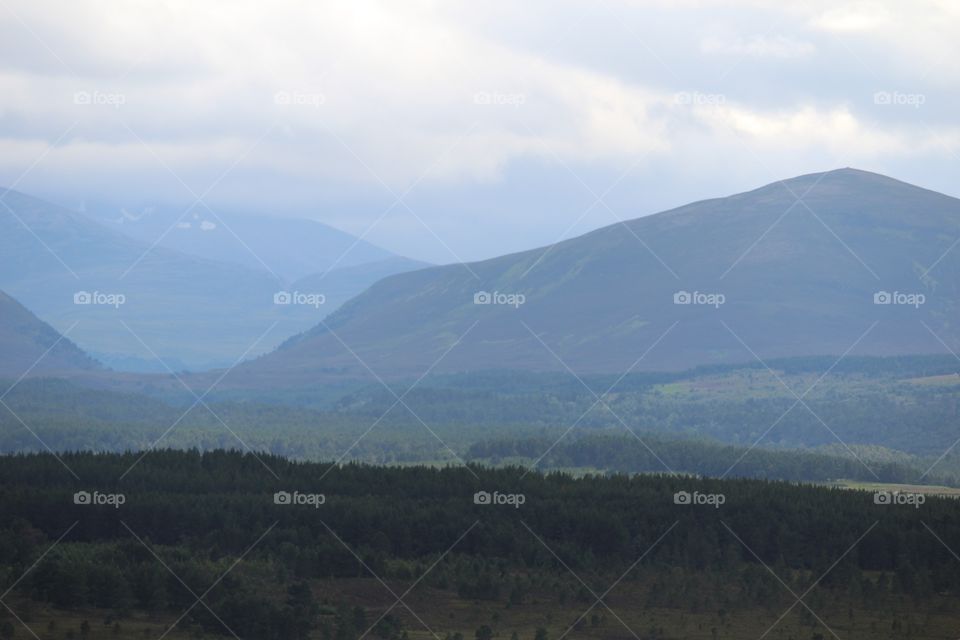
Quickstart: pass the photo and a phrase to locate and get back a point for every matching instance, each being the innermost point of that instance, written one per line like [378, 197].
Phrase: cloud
[837, 130]
[758, 46]
[301, 105]
[859, 17]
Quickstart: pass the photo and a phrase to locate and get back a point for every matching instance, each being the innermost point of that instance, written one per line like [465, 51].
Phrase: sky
[456, 131]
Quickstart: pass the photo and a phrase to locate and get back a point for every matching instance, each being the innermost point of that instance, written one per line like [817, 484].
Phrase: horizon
[234, 214]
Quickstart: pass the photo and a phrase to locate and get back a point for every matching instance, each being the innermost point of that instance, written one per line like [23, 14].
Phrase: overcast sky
[454, 131]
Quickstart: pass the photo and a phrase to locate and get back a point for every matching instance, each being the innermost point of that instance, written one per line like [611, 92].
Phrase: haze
[457, 131]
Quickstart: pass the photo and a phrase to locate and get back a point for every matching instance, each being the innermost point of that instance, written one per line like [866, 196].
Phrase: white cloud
[918, 40]
[380, 91]
[761, 46]
[855, 17]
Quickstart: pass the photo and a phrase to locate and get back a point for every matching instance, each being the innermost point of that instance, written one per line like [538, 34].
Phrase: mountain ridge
[287, 246]
[798, 277]
[30, 345]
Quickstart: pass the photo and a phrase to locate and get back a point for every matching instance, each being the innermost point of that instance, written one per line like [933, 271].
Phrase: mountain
[29, 344]
[290, 248]
[339, 285]
[768, 275]
[132, 301]
[178, 305]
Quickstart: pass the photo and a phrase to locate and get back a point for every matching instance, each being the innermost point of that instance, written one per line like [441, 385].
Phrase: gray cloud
[502, 121]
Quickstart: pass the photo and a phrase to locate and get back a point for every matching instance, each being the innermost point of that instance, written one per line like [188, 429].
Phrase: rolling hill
[789, 269]
[30, 345]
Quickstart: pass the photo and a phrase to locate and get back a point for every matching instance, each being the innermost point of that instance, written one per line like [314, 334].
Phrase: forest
[871, 419]
[212, 534]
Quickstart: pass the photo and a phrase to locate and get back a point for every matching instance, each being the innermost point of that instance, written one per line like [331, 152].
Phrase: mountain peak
[850, 177]
[798, 268]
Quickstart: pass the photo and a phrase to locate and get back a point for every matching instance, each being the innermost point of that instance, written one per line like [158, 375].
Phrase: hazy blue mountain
[339, 285]
[290, 248]
[129, 301]
[798, 278]
[178, 305]
[29, 344]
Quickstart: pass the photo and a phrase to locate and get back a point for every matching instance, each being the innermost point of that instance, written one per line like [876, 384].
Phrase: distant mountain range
[129, 301]
[290, 248]
[826, 263]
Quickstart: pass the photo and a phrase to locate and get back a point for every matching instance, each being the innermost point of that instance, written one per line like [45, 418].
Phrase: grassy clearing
[932, 490]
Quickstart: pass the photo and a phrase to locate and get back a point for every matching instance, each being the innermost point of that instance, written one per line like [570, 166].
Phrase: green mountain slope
[29, 344]
[797, 278]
